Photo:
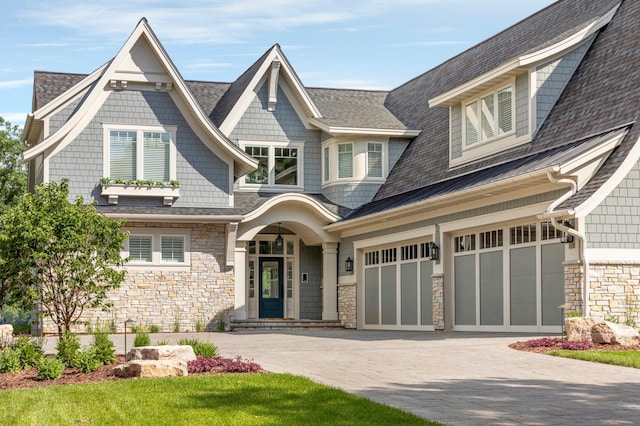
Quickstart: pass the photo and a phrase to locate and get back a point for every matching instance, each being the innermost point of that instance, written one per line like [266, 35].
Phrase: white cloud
[208, 65]
[15, 84]
[430, 43]
[16, 118]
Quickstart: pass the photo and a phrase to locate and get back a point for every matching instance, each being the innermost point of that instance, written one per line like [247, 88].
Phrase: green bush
[164, 342]
[206, 349]
[68, 347]
[87, 360]
[154, 328]
[104, 348]
[30, 351]
[142, 339]
[10, 360]
[200, 327]
[49, 368]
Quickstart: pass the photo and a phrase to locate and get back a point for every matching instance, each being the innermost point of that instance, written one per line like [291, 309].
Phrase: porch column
[329, 281]
[240, 268]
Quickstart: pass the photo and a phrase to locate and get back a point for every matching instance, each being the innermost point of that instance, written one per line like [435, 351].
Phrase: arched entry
[299, 277]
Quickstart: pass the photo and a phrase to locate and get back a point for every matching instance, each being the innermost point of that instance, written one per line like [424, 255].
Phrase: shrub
[579, 345]
[227, 365]
[543, 342]
[142, 339]
[10, 360]
[154, 328]
[200, 326]
[49, 368]
[68, 347]
[574, 314]
[30, 351]
[87, 360]
[206, 349]
[164, 342]
[104, 348]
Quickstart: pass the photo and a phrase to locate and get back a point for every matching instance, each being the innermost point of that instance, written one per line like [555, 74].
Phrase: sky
[358, 44]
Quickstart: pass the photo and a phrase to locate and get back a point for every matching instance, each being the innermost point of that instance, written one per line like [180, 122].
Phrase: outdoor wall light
[348, 264]
[279, 240]
[434, 251]
[566, 238]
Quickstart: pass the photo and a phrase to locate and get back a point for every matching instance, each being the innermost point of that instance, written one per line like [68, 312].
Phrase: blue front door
[271, 287]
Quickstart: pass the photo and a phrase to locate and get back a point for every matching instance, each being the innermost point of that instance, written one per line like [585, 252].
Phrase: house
[481, 195]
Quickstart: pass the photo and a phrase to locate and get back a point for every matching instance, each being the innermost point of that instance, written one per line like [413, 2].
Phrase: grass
[622, 358]
[228, 399]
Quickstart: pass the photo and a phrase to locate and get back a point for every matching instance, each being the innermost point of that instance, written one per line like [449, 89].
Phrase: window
[172, 248]
[279, 165]
[464, 243]
[489, 117]
[143, 154]
[345, 160]
[325, 164]
[374, 159]
[523, 234]
[155, 247]
[140, 248]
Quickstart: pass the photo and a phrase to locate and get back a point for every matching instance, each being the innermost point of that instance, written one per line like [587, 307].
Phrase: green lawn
[229, 399]
[623, 358]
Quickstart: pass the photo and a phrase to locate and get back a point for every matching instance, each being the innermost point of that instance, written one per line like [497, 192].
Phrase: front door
[271, 287]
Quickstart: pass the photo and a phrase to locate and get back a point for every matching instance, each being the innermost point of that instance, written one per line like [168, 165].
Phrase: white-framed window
[345, 160]
[374, 159]
[157, 247]
[490, 116]
[139, 152]
[280, 164]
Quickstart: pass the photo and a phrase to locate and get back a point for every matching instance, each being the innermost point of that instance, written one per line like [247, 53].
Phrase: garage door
[398, 291]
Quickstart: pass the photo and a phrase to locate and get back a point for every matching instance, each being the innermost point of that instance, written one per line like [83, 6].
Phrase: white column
[329, 281]
[240, 269]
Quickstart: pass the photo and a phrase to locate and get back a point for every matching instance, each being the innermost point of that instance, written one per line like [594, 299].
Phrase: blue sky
[362, 44]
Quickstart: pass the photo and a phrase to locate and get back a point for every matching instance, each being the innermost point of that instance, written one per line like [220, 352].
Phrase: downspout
[579, 235]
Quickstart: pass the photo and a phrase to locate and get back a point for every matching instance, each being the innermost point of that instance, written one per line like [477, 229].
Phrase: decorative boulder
[609, 332]
[183, 352]
[144, 368]
[579, 329]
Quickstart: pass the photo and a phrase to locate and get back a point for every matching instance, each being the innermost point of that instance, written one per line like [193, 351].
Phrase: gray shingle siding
[615, 223]
[456, 131]
[351, 195]
[204, 178]
[281, 125]
[396, 148]
[311, 292]
[522, 104]
[57, 120]
[552, 77]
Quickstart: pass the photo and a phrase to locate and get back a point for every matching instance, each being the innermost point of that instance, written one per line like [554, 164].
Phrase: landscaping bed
[549, 344]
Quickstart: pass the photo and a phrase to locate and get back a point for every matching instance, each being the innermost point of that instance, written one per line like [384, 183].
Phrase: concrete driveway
[454, 378]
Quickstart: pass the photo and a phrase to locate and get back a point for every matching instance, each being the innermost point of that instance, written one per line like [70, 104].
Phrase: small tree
[64, 254]
[13, 181]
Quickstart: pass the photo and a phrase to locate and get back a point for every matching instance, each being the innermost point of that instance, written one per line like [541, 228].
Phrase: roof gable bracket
[273, 85]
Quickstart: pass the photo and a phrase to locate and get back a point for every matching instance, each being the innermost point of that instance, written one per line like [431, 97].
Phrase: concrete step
[283, 324]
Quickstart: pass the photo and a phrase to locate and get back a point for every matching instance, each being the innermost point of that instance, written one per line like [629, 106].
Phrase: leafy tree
[13, 181]
[63, 254]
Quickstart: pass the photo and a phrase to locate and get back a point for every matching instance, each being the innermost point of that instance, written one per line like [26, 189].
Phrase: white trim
[174, 218]
[368, 131]
[283, 198]
[511, 67]
[613, 255]
[393, 238]
[529, 212]
[157, 264]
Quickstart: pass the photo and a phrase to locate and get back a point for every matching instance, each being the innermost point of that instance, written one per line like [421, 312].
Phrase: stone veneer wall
[347, 305]
[573, 271]
[614, 290]
[204, 293]
[438, 301]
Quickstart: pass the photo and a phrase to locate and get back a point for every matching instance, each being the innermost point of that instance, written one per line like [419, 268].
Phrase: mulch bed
[72, 376]
[522, 346]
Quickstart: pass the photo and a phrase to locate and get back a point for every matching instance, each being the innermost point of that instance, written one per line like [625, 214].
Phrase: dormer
[504, 107]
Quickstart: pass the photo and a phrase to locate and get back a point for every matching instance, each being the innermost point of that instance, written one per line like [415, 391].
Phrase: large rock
[579, 329]
[144, 368]
[183, 352]
[609, 332]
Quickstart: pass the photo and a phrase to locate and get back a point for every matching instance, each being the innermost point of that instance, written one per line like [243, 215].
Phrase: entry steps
[283, 324]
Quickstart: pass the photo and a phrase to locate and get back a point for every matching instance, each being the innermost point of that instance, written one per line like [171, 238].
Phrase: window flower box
[168, 191]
